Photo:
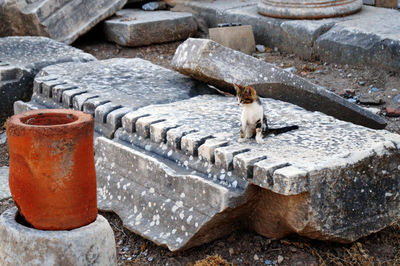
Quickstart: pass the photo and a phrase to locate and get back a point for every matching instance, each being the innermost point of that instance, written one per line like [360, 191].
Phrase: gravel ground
[247, 248]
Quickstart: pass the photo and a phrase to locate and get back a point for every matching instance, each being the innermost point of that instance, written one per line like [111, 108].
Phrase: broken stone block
[93, 244]
[21, 58]
[238, 38]
[63, 21]
[134, 27]
[109, 89]
[177, 175]
[353, 42]
[215, 64]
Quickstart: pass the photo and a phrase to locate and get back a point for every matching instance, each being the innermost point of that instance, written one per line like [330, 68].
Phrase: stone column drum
[92, 244]
[308, 9]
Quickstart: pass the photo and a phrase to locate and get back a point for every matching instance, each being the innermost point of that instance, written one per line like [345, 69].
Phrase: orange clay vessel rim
[75, 118]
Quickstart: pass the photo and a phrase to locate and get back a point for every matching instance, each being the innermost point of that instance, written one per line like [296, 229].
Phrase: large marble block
[21, 58]
[176, 174]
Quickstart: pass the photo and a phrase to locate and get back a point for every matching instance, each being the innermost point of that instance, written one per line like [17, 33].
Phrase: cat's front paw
[259, 140]
[240, 140]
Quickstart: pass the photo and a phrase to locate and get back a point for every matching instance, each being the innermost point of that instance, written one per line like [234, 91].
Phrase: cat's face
[245, 95]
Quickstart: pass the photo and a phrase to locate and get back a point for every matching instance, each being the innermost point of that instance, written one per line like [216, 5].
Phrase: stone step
[211, 62]
[109, 89]
[61, 20]
[135, 27]
[21, 58]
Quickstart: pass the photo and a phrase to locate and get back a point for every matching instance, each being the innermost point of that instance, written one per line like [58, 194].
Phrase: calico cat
[253, 121]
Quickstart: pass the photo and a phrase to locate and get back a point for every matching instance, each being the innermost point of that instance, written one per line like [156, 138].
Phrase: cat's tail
[280, 130]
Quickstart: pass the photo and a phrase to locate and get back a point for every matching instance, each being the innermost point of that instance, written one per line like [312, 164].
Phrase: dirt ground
[247, 248]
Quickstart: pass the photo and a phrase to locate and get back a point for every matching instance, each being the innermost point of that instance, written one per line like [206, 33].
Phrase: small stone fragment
[260, 48]
[280, 259]
[370, 98]
[362, 83]
[291, 69]
[352, 100]
[374, 89]
[3, 138]
[152, 6]
[231, 251]
[347, 93]
[392, 112]
[255, 257]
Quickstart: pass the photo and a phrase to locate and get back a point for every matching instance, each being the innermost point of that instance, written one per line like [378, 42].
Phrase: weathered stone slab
[61, 20]
[329, 180]
[109, 89]
[135, 27]
[21, 58]
[93, 244]
[212, 63]
[370, 38]
[4, 188]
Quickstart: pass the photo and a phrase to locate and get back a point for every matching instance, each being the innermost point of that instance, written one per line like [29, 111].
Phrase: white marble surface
[4, 188]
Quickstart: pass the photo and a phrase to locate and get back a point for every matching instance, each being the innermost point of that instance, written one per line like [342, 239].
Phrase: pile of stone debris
[167, 156]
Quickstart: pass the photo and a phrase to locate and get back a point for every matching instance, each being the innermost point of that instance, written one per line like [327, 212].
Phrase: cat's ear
[237, 87]
[251, 91]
